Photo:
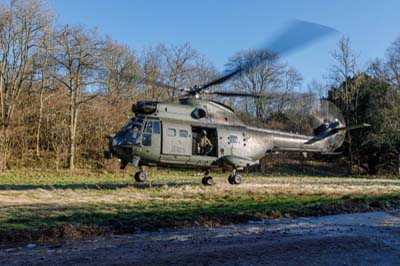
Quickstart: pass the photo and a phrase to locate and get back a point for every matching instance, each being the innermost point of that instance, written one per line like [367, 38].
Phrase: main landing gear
[234, 179]
[140, 176]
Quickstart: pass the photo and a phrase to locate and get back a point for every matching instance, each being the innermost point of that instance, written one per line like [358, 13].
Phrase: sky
[220, 28]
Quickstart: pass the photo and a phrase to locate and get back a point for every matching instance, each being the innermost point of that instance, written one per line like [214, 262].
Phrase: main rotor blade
[297, 34]
[221, 79]
[262, 56]
[238, 94]
[161, 85]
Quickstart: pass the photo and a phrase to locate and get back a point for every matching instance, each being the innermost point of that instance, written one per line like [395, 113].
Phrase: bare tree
[393, 77]
[393, 64]
[265, 77]
[21, 27]
[341, 73]
[121, 70]
[153, 68]
[42, 72]
[175, 66]
[389, 71]
[291, 82]
[77, 56]
[179, 66]
[259, 79]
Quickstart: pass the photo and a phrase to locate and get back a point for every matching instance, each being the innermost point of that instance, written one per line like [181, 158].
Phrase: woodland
[65, 88]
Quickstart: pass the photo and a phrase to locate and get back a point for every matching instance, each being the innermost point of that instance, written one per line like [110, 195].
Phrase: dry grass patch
[31, 200]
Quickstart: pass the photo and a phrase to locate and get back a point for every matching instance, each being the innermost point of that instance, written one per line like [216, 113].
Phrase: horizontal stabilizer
[355, 126]
[324, 135]
[331, 153]
[330, 132]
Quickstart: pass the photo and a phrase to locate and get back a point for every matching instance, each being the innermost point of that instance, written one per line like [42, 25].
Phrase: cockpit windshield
[131, 132]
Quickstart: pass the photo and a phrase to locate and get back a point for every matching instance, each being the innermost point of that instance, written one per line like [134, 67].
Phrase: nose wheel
[207, 180]
[234, 179]
[140, 176]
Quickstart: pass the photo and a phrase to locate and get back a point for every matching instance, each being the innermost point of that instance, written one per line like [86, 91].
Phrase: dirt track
[350, 239]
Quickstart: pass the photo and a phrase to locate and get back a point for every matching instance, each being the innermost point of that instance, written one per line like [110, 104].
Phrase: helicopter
[170, 134]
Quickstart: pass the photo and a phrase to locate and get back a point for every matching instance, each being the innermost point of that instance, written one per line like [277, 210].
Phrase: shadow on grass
[295, 169]
[156, 216]
[90, 222]
[228, 211]
[100, 186]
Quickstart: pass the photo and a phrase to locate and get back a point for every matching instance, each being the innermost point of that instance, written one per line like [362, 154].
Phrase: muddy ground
[349, 239]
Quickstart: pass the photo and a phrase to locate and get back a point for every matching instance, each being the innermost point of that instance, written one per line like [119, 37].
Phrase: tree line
[64, 88]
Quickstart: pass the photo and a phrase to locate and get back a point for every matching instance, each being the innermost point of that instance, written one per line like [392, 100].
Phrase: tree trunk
[2, 99]
[373, 161]
[72, 130]
[3, 137]
[398, 154]
[3, 161]
[350, 156]
[39, 125]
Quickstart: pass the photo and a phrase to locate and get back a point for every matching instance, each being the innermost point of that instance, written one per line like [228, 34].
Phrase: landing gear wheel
[207, 181]
[235, 179]
[140, 176]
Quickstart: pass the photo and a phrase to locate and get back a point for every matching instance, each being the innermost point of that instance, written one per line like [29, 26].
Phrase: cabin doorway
[212, 136]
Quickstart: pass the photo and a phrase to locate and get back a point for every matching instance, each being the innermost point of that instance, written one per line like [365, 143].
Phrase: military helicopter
[206, 134]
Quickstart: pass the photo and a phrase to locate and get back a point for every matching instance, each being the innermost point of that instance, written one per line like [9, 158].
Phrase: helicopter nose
[119, 145]
[116, 145]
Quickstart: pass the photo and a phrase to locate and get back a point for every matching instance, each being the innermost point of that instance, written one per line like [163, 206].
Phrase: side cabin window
[171, 132]
[233, 139]
[183, 133]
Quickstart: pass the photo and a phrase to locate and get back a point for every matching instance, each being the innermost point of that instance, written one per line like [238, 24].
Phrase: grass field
[31, 201]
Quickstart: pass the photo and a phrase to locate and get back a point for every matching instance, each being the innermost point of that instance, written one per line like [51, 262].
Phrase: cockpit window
[149, 127]
[156, 127]
[137, 121]
[131, 132]
[136, 129]
[126, 128]
[146, 138]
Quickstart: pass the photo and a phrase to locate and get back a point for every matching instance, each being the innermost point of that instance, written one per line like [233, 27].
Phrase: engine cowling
[144, 107]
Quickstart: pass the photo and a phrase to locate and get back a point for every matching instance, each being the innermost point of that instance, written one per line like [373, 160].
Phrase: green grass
[31, 199]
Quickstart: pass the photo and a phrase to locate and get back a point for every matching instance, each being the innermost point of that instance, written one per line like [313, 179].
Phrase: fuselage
[167, 134]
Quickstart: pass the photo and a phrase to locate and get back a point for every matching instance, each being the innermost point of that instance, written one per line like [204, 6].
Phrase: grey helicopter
[206, 134]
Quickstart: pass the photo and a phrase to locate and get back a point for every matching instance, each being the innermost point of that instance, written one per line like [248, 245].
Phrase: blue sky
[220, 28]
